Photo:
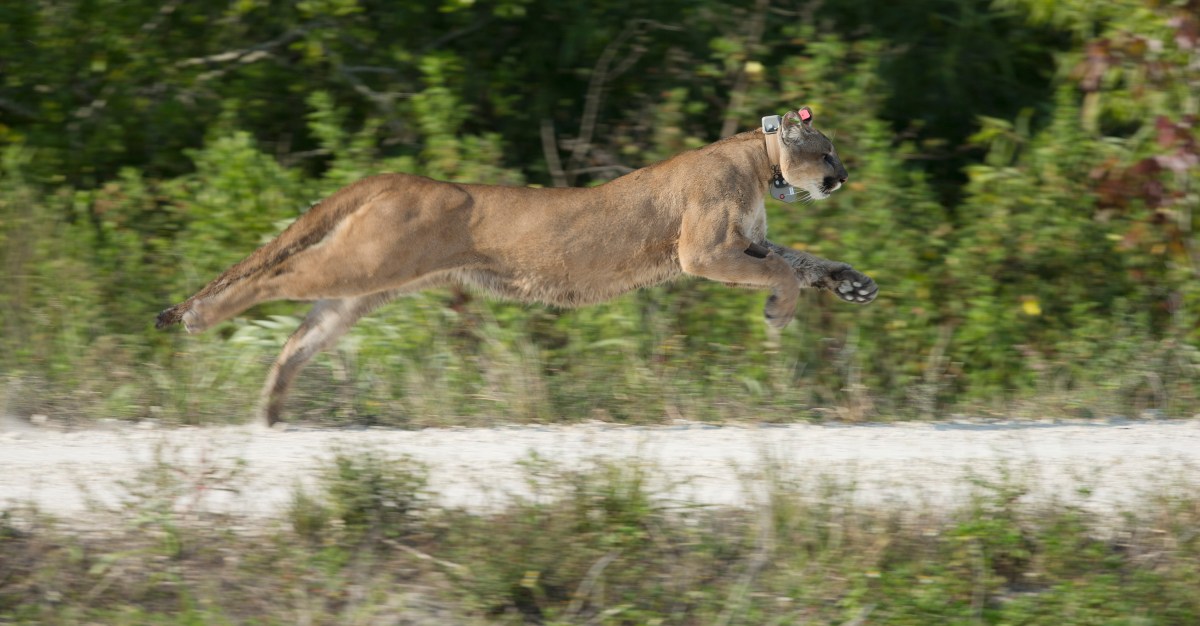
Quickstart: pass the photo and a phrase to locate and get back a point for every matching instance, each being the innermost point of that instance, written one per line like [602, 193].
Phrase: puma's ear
[795, 123]
[804, 116]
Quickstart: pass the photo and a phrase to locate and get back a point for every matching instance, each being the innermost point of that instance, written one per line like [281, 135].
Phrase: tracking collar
[780, 188]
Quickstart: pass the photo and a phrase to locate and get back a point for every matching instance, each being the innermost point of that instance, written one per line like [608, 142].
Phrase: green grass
[417, 364]
[601, 546]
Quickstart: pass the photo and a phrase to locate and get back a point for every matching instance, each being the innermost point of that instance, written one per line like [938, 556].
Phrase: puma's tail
[170, 316]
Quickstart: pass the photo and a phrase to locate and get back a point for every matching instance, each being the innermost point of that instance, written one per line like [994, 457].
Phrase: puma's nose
[842, 179]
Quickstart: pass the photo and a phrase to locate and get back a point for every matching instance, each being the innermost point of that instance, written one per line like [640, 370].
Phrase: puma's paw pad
[852, 285]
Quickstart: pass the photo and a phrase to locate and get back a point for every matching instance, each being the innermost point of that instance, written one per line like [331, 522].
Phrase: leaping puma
[700, 213]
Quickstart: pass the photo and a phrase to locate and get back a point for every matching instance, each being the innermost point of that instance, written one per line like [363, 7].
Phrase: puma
[700, 213]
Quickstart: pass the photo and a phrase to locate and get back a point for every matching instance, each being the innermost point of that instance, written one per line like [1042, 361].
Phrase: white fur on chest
[754, 222]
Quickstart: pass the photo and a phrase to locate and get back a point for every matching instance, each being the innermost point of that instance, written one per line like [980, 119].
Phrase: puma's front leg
[721, 257]
[844, 281]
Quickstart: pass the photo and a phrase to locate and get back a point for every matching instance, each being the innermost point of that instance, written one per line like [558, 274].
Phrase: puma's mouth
[820, 191]
[829, 185]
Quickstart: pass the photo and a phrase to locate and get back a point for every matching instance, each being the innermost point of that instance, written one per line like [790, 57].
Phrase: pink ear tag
[805, 114]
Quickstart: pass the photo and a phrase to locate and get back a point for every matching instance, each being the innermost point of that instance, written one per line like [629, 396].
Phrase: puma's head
[807, 158]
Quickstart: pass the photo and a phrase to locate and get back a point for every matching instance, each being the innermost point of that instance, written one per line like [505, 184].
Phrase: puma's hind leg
[325, 324]
[311, 275]
[207, 312]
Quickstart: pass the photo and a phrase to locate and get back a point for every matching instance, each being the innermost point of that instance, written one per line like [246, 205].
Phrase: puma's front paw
[852, 285]
[779, 312]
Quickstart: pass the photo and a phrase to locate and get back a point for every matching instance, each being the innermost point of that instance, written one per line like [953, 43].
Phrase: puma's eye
[829, 160]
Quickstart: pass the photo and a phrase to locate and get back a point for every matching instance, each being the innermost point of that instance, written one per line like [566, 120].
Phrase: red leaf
[1166, 131]
[1187, 31]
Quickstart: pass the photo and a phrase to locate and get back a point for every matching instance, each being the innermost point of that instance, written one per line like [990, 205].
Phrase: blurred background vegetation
[1023, 188]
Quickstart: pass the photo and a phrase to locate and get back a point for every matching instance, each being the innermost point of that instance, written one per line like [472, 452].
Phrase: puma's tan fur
[699, 213]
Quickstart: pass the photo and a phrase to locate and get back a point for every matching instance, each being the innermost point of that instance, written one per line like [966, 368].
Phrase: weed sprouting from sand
[366, 495]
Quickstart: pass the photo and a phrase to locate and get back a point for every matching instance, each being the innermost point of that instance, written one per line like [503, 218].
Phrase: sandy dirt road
[1114, 463]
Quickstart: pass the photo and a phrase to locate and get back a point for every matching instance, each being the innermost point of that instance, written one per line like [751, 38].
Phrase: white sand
[1117, 462]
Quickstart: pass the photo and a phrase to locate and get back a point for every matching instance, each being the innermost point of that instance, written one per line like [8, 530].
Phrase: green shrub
[371, 497]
